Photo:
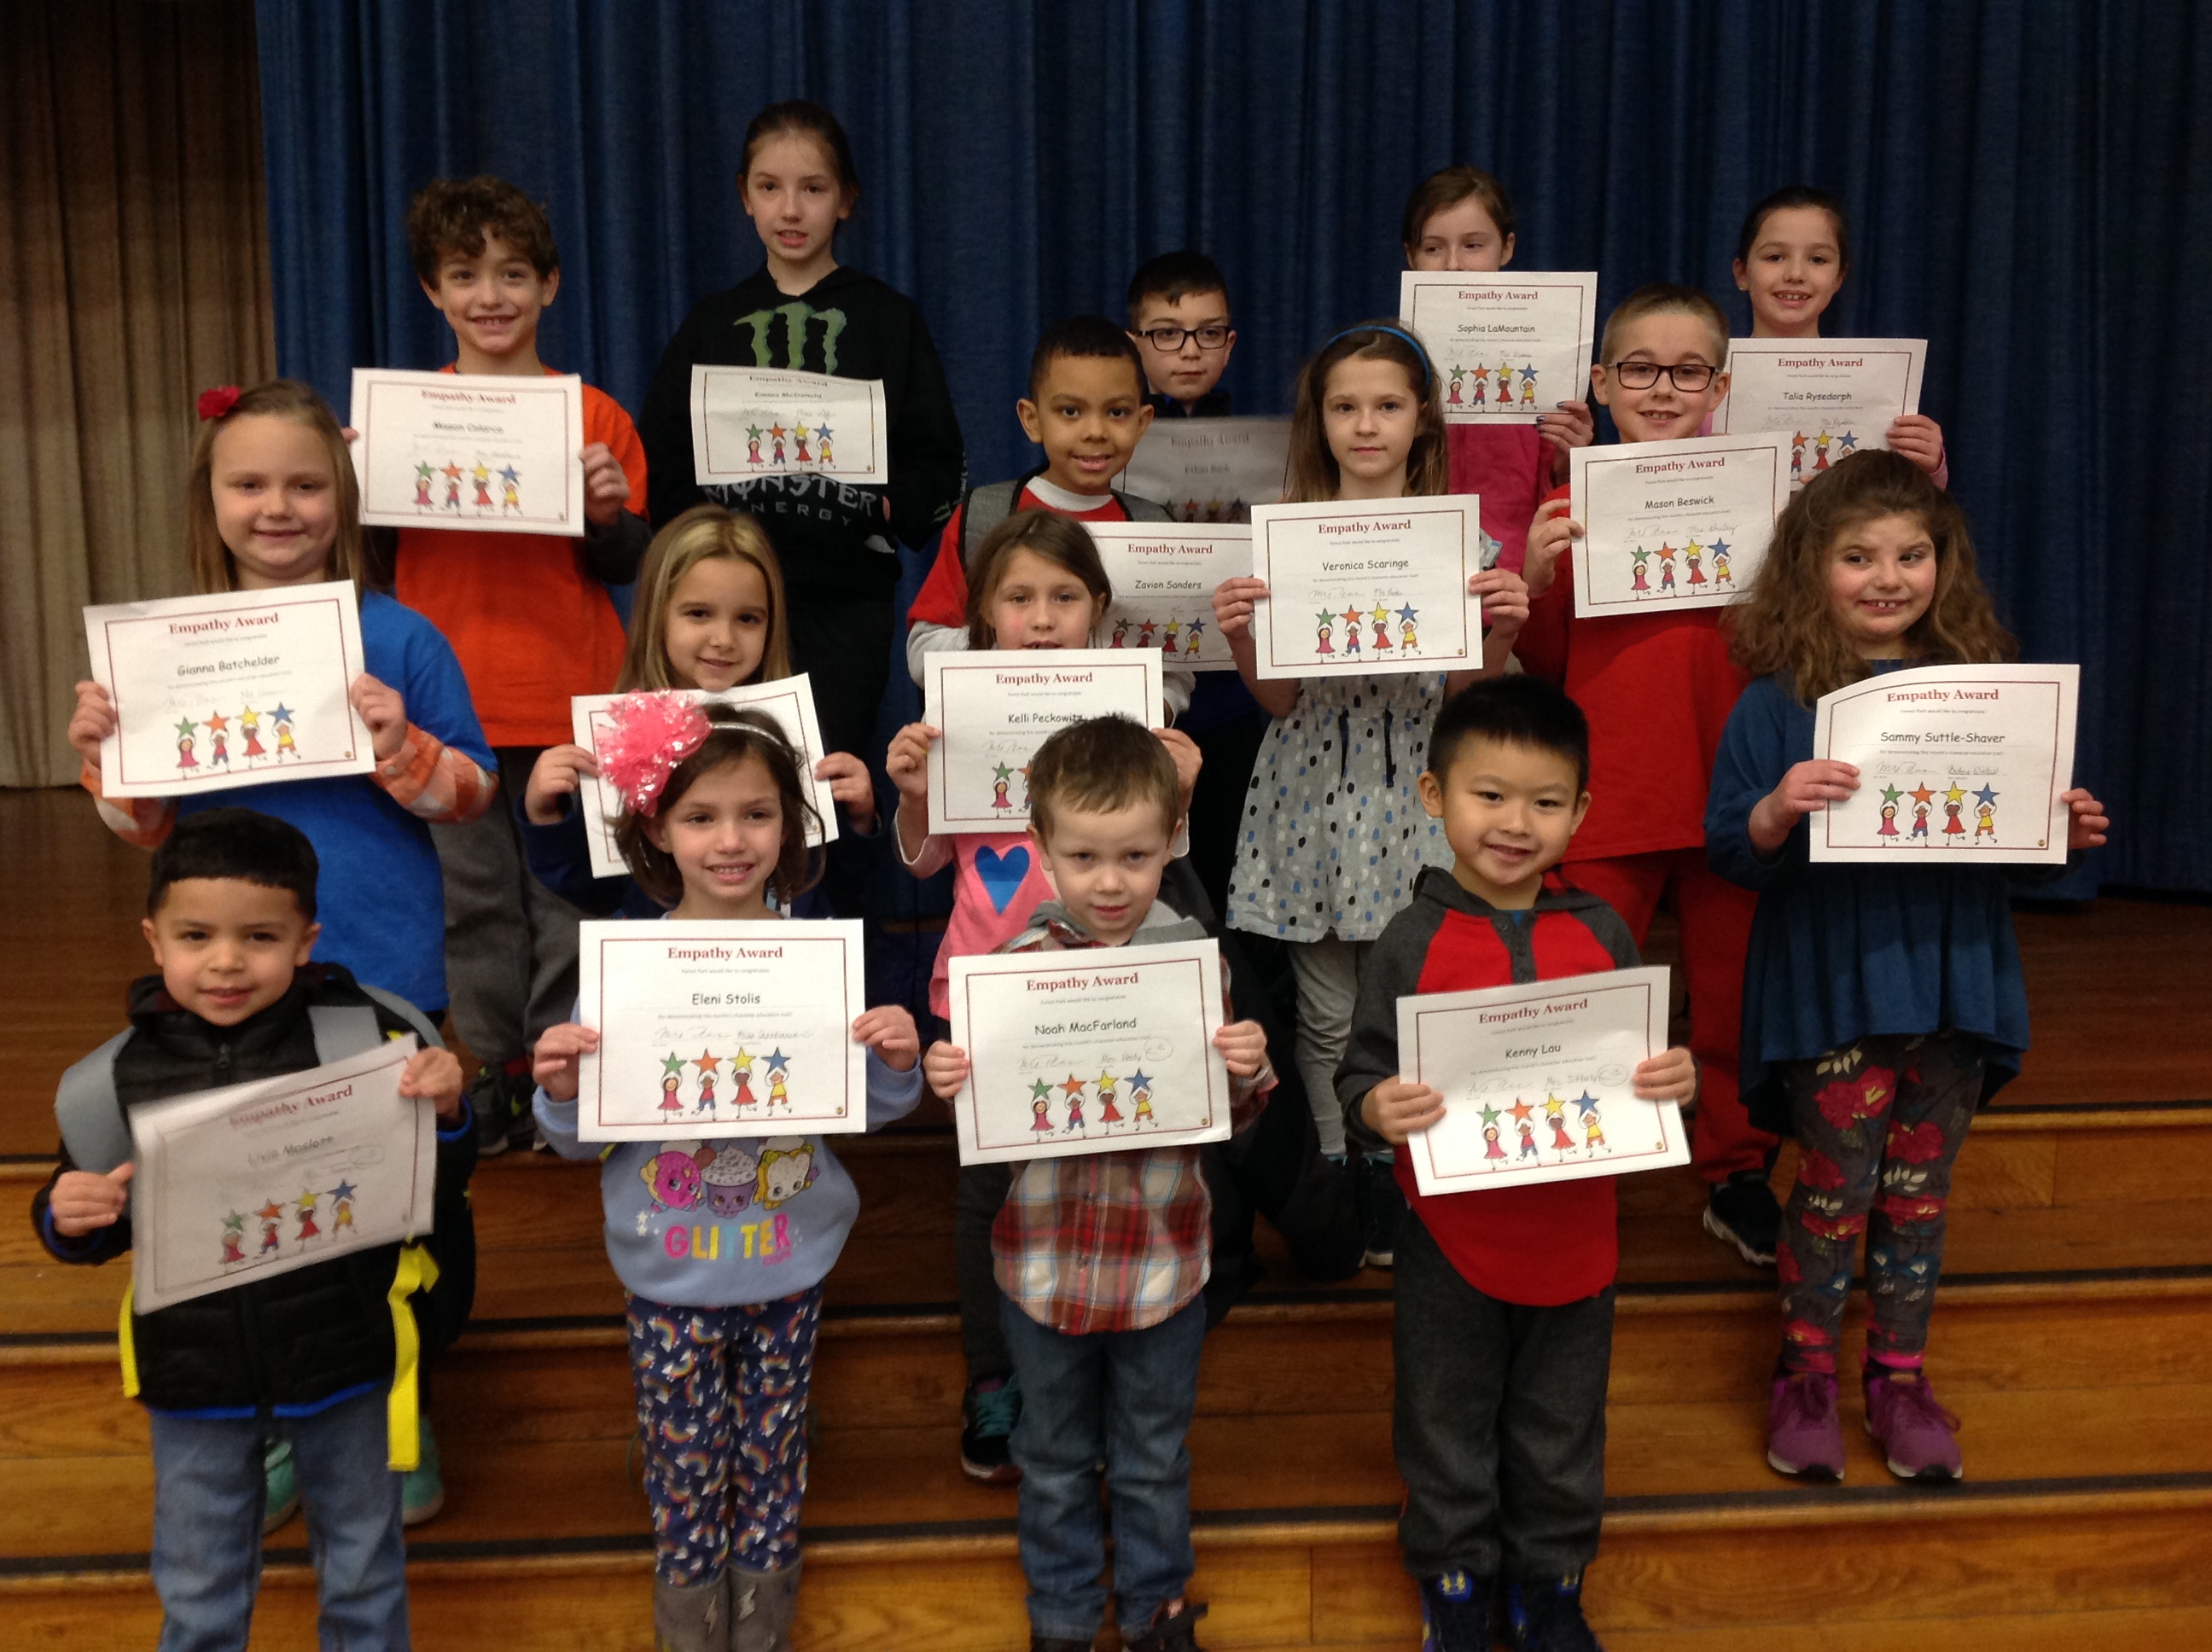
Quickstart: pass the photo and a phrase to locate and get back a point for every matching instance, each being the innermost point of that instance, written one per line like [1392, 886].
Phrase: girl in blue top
[722, 1245]
[1882, 1005]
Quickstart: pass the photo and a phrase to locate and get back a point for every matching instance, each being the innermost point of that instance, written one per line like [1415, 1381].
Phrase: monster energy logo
[796, 314]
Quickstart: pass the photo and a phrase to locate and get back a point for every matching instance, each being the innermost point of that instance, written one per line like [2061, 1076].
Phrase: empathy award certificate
[1089, 1051]
[238, 1183]
[1674, 524]
[448, 450]
[1508, 347]
[1163, 575]
[714, 1028]
[1209, 470]
[235, 688]
[788, 702]
[1831, 396]
[1367, 587]
[992, 710]
[754, 422]
[1955, 761]
[1538, 1081]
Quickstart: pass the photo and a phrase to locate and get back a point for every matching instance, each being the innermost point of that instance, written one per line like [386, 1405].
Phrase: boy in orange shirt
[529, 616]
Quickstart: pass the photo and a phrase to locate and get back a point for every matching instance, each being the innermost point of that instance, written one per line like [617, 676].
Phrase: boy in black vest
[312, 1354]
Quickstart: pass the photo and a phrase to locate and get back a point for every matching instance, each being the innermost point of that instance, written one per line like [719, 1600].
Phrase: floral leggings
[721, 1401]
[1879, 1126]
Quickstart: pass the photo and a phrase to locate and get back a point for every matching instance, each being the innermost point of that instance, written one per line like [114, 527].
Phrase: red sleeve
[1541, 647]
[605, 420]
[943, 596]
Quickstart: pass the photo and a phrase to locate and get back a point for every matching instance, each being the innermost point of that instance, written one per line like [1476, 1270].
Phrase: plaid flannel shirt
[1120, 1240]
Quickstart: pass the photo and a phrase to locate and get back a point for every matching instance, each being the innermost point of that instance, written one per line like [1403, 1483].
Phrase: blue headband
[1428, 369]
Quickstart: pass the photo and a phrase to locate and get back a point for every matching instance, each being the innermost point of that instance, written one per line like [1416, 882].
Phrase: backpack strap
[982, 509]
[1141, 509]
[93, 1126]
[425, 1029]
[342, 1031]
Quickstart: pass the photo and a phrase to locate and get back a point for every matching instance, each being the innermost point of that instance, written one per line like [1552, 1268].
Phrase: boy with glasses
[1179, 321]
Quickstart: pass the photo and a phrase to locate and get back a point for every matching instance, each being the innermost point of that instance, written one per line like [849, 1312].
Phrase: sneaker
[1056, 1643]
[1456, 1612]
[1542, 1615]
[283, 1493]
[1175, 1634]
[1741, 1212]
[1804, 1435]
[1915, 1435]
[422, 1491]
[991, 1407]
[501, 1098]
[1384, 1207]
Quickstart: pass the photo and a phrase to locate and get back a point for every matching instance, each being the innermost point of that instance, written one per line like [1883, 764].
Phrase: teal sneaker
[422, 1492]
[283, 1486]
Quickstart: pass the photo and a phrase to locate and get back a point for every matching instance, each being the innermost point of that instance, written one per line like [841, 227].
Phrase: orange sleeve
[943, 599]
[605, 422]
[143, 823]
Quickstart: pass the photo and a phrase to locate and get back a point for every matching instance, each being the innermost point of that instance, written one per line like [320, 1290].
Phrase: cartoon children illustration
[510, 490]
[1073, 1090]
[1174, 629]
[730, 1179]
[822, 444]
[184, 742]
[741, 1070]
[800, 434]
[1888, 827]
[422, 475]
[308, 1228]
[1820, 452]
[1797, 458]
[1407, 636]
[269, 1214]
[1555, 1116]
[779, 1077]
[1593, 1133]
[234, 1237]
[1505, 386]
[481, 477]
[341, 1200]
[1985, 823]
[1108, 1113]
[1351, 617]
[1666, 568]
[786, 1169]
[1638, 583]
[1490, 1147]
[1692, 553]
[1529, 1148]
[1001, 778]
[1327, 623]
[1120, 631]
[1144, 629]
[1040, 1105]
[286, 747]
[1382, 628]
[707, 1064]
[1481, 379]
[1953, 800]
[249, 723]
[218, 739]
[776, 435]
[1140, 1093]
[452, 475]
[752, 444]
[1529, 386]
[1920, 815]
[1191, 634]
[1721, 574]
[671, 1075]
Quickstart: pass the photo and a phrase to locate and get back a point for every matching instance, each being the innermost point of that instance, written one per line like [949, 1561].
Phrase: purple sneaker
[1916, 1434]
[1804, 1435]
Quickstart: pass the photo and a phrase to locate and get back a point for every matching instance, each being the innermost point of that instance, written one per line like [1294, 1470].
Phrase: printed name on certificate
[762, 422]
[1367, 587]
[1208, 470]
[1508, 347]
[1163, 576]
[475, 452]
[1832, 396]
[1669, 524]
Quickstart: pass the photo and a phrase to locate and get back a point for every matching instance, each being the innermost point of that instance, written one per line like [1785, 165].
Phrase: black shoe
[494, 1107]
[1383, 1208]
[1456, 1612]
[1175, 1634]
[1741, 1212]
[1544, 1615]
[988, 1412]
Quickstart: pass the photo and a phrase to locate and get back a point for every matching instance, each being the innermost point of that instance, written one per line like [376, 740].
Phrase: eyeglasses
[1167, 340]
[1691, 376]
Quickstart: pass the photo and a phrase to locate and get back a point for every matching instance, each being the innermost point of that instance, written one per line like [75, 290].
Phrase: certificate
[1538, 1081]
[235, 688]
[1507, 347]
[712, 1028]
[1831, 396]
[1673, 524]
[479, 452]
[788, 702]
[756, 422]
[1955, 761]
[992, 710]
[1209, 470]
[1367, 587]
[252, 1180]
[1090, 1051]
[1163, 576]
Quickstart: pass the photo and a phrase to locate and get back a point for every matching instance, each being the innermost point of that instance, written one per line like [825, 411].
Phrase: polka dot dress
[1333, 832]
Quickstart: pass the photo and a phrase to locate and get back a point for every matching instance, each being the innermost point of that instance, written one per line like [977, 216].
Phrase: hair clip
[652, 734]
[216, 403]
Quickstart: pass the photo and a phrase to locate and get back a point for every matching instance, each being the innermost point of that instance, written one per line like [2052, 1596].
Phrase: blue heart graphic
[1002, 874]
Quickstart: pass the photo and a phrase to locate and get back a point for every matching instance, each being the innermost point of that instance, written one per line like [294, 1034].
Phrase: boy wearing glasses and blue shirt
[1179, 322]
[1658, 689]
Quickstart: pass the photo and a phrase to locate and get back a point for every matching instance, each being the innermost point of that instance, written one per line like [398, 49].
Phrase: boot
[761, 1606]
[691, 1617]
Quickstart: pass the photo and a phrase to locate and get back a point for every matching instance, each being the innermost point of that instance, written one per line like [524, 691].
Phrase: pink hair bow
[652, 733]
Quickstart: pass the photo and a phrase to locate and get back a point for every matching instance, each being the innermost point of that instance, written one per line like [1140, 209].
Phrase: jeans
[208, 1504]
[1124, 1397]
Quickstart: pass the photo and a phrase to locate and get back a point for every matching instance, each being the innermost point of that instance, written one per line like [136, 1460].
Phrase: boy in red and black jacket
[1504, 1314]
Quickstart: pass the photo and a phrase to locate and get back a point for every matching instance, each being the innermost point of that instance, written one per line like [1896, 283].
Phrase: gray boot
[691, 1617]
[761, 1606]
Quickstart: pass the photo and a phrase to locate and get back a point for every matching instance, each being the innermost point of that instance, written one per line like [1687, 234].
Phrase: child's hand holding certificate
[1670, 524]
[485, 453]
[1163, 576]
[1538, 1081]
[1509, 346]
[1831, 397]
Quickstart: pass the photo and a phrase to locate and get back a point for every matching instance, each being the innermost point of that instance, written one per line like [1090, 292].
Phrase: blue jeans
[1124, 1397]
[208, 1502]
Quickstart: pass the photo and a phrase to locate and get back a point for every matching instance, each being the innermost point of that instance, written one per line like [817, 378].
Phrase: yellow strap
[417, 1271]
[127, 1346]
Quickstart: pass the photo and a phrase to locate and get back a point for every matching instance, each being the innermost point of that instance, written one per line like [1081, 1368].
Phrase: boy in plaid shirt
[1101, 1257]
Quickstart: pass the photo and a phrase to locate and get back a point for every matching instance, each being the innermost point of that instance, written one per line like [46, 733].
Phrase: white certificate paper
[718, 1029]
[788, 702]
[1089, 1051]
[1209, 470]
[1163, 575]
[1955, 761]
[479, 452]
[240, 1183]
[756, 422]
[1831, 397]
[994, 709]
[1538, 1081]
[1368, 587]
[235, 688]
[1673, 525]
[1507, 347]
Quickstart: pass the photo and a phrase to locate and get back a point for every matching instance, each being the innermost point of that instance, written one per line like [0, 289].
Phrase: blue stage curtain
[2021, 177]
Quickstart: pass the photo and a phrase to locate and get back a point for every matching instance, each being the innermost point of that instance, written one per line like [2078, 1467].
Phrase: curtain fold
[132, 242]
[2027, 184]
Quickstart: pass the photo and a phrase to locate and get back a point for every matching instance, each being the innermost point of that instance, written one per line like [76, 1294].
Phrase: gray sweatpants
[510, 942]
[1499, 1428]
